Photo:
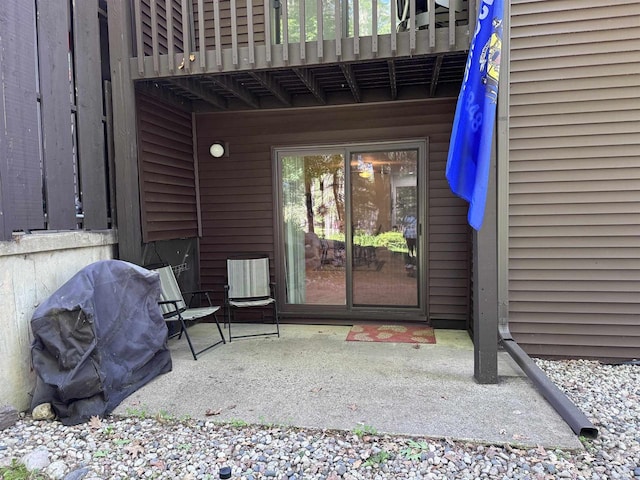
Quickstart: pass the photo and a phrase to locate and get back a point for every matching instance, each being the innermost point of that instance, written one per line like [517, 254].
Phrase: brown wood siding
[237, 192]
[167, 173]
[257, 7]
[574, 178]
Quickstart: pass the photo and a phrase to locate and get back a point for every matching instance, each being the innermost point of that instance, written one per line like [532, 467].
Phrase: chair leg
[275, 316]
[215, 317]
[183, 329]
[186, 334]
[222, 340]
[276, 320]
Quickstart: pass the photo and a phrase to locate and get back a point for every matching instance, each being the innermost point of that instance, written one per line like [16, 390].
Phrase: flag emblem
[469, 159]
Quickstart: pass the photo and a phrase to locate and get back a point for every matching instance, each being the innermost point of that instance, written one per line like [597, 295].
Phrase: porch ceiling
[387, 79]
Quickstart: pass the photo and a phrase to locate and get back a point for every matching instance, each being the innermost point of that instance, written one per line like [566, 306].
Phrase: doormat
[391, 333]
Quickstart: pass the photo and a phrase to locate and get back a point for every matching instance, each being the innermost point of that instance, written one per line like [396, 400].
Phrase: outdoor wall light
[218, 149]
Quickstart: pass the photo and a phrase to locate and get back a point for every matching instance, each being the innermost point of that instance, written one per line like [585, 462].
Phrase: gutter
[569, 412]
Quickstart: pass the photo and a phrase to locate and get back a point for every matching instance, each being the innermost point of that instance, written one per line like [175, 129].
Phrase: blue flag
[470, 147]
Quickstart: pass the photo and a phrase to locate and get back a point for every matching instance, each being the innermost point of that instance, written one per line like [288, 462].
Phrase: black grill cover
[97, 339]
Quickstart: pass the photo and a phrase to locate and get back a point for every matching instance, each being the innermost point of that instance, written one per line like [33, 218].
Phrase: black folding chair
[174, 308]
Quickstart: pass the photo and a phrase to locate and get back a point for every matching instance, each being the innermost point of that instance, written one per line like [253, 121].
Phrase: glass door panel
[384, 213]
[313, 212]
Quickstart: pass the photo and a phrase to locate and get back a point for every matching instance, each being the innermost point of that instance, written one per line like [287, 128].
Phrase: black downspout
[571, 414]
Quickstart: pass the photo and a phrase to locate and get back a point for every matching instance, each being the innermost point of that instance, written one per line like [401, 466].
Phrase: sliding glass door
[384, 217]
[350, 227]
[313, 213]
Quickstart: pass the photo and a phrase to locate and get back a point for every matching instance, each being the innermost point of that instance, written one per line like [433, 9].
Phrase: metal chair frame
[249, 286]
[174, 308]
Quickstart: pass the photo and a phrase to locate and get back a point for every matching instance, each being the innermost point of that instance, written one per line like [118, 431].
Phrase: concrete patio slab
[312, 377]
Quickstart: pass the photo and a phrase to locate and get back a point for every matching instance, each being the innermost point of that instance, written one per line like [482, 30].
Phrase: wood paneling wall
[237, 191]
[574, 171]
[168, 186]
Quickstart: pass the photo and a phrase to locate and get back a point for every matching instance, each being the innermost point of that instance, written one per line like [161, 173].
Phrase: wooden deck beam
[393, 79]
[311, 83]
[349, 76]
[199, 91]
[435, 75]
[267, 81]
[332, 53]
[227, 83]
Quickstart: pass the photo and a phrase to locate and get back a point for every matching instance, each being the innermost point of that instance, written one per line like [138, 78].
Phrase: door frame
[348, 311]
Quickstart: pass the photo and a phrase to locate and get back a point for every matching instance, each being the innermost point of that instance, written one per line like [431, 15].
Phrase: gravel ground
[137, 447]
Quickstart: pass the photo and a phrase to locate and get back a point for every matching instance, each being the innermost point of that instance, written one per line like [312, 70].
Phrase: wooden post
[452, 24]
[218, 35]
[356, 28]
[374, 27]
[485, 281]
[202, 47]
[303, 31]
[170, 40]
[285, 31]
[234, 34]
[250, 39]
[125, 139]
[394, 30]
[268, 41]
[320, 39]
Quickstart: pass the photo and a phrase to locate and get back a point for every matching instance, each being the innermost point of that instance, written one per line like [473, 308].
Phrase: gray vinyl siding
[237, 191]
[574, 177]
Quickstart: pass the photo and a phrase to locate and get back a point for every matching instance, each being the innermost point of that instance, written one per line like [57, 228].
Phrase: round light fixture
[216, 150]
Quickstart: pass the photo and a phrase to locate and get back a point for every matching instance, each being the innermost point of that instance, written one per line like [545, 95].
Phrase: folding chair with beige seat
[174, 308]
[249, 286]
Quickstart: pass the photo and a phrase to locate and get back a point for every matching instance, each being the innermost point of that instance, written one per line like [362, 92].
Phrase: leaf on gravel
[95, 422]
[510, 449]
[541, 451]
[158, 463]
[211, 412]
[353, 407]
[316, 390]
[135, 449]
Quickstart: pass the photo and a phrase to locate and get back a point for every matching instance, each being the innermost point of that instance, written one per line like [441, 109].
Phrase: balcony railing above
[191, 37]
